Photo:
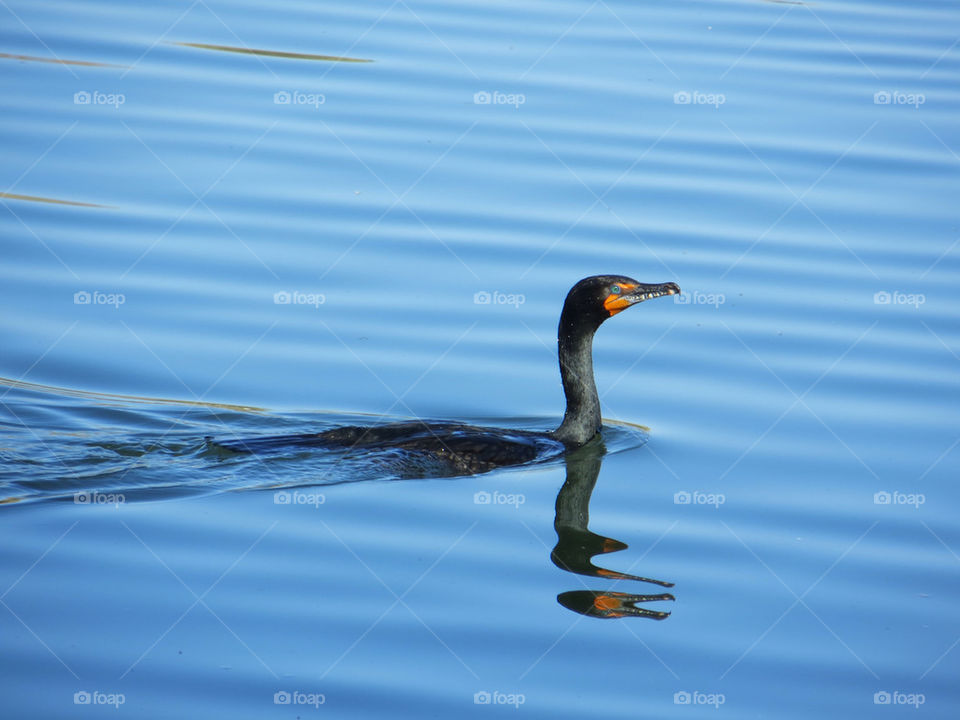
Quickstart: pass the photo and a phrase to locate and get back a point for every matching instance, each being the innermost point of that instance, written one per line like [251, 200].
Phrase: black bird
[449, 449]
[588, 304]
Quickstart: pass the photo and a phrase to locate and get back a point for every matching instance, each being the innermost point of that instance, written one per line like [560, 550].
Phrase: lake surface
[242, 219]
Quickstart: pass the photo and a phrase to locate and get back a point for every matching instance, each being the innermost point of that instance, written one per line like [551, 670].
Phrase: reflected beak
[632, 295]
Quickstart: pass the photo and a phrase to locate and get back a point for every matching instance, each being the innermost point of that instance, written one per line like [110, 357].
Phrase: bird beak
[634, 294]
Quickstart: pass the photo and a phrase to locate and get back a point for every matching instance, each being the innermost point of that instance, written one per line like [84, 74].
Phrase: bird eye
[615, 289]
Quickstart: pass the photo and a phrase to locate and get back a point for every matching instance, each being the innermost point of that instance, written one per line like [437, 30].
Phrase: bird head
[600, 297]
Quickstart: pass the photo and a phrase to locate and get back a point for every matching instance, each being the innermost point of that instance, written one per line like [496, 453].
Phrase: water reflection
[58, 61]
[271, 53]
[136, 461]
[53, 201]
[577, 545]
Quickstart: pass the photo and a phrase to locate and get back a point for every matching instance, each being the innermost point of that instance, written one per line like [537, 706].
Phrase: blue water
[199, 242]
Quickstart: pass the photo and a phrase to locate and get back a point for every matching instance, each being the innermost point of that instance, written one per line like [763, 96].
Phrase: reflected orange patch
[605, 603]
[611, 545]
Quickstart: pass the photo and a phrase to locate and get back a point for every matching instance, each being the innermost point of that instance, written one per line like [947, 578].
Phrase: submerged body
[429, 449]
[451, 449]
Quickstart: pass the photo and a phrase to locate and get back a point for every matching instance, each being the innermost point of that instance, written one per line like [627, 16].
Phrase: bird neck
[581, 421]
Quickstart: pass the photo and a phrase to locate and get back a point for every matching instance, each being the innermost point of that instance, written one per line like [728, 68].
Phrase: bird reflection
[576, 545]
[608, 604]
